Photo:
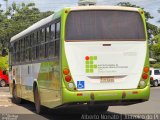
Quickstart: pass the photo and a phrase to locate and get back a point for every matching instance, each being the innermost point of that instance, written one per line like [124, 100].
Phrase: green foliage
[16, 19]
[155, 47]
[152, 30]
[156, 39]
[157, 65]
[4, 63]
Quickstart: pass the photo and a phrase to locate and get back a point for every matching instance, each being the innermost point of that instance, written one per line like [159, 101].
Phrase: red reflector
[146, 69]
[144, 76]
[135, 92]
[68, 78]
[66, 71]
[79, 94]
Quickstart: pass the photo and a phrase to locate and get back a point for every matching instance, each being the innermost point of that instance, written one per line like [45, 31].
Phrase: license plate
[107, 80]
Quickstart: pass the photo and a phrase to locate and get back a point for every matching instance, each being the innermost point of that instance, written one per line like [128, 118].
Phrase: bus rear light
[144, 76]
[135, 92]
[66, 71]
[79, 94]
[68, 78]
[151, 78]
[142, 83]
[70, 85]
[146, 69]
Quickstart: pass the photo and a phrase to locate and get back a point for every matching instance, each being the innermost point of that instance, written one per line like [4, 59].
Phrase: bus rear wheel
[15, 98]
[37, 101]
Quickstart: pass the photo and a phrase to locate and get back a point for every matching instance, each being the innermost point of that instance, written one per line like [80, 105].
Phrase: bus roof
[103, 8]
[53, 16]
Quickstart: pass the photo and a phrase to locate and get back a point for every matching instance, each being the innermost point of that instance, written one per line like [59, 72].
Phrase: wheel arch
[35, 84]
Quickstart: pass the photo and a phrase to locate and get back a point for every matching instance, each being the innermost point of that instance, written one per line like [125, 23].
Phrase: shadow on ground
[72, 113]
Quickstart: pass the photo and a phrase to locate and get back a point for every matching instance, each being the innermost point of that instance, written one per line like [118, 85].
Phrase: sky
[44, 5]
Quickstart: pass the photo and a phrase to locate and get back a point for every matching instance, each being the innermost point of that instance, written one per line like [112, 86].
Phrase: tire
[99, 109]
[37, 101]
[155, 83]
[3, 83]
[15, 98]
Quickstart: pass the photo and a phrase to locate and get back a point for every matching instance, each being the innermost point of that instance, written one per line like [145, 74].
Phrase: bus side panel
[49, 84]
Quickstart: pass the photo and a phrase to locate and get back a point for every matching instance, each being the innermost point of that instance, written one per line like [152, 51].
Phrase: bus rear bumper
[109, 97]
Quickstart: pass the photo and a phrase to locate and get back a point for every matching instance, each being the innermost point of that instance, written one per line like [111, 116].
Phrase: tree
[152, 30]
[4, 63]
[17, 18]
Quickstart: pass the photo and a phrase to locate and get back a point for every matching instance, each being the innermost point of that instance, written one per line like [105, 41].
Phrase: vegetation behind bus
[16, 19]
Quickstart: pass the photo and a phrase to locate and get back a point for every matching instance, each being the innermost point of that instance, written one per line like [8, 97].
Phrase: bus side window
[27, 49]
[18, 52]
[15, 55]
[58, 30]
[48, 33]
[42, 35]
[24, 50]
[51, 44]
[38, 45]
[52, 32]
[42, 51]
[34, 46]
[21, 50]
[30, 46]
[57, 43]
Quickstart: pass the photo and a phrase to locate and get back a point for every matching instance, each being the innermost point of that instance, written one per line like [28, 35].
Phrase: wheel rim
[3, 83]
[156, 83]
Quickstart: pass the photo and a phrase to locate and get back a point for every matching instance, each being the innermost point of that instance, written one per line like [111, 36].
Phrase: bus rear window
[103, 25]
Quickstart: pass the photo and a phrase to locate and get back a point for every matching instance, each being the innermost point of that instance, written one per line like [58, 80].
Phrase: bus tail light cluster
[145, 76]
[67, 76]
[145, 73]
[151, 78]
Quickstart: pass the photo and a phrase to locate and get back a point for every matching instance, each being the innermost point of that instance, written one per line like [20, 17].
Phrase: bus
[92, 55]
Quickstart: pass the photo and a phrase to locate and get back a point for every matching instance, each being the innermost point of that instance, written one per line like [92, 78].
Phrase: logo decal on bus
[80, 84]
[90, 65]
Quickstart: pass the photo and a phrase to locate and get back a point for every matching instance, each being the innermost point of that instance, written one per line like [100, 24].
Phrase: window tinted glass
[52, 31]
[58, 30]
[156, 72]
[104, 25]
